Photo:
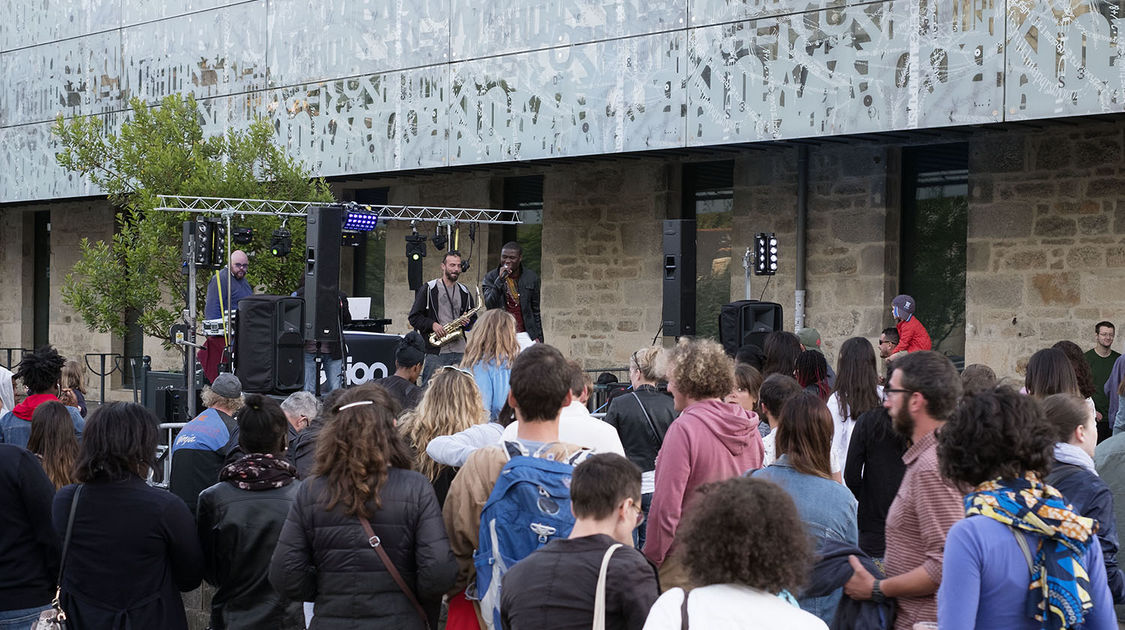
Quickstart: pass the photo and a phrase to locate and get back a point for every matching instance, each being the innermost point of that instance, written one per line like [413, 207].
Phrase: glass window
[525, 193]
[709, 199]
[370, 266]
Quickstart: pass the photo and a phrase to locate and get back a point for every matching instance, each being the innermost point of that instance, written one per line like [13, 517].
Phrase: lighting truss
[430, 214]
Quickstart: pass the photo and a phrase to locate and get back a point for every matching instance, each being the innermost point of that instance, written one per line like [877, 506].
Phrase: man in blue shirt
[204, 444]
[223, 294]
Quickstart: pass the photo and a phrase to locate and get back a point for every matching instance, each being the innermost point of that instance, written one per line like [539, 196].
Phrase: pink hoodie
[710, 441]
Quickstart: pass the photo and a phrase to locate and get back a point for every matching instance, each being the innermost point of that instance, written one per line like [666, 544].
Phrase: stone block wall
[602, 251]
[1046, 240]
[16, 281]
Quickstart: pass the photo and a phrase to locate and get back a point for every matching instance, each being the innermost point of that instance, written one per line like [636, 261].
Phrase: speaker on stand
[269, 344]
[678, 312]
[748, 322]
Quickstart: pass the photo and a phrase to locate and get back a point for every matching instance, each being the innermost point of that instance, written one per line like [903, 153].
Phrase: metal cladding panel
[1064, 59]
[875, 67]
[72, 77]
[332, 39]
[30, 22]
[481, 28]
[211, 53]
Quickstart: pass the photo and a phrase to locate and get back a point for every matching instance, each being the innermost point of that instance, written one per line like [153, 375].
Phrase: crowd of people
[763, 490]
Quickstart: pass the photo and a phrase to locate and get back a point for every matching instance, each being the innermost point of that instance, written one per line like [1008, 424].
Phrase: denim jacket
[828, 510]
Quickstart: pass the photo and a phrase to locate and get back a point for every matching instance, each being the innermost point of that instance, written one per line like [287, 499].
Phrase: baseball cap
[810, 338]
[227, 385]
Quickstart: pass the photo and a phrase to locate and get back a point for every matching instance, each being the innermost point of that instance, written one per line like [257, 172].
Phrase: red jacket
[912, 336]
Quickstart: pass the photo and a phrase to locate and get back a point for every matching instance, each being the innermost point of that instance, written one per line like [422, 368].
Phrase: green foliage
[937, 277]
[162, 151]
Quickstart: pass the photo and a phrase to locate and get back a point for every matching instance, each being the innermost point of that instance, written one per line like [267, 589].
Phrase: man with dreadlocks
[39, 371]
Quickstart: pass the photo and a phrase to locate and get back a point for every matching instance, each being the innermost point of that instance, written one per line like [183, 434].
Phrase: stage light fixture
[361, 221]
[765, 254]
[439, 239]
[243, 235]
[415, 252]
[281, 242]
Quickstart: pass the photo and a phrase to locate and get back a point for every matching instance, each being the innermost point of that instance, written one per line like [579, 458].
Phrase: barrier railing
[8, 352]
[162, 472]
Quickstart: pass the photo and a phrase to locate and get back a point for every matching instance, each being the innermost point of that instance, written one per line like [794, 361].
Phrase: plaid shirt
[924, 510]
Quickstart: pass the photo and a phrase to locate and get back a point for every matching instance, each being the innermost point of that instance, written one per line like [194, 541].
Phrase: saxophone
[456, 328]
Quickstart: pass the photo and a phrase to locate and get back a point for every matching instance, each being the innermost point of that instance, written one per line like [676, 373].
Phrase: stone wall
[1046, 240]
[16, 281]
[851, 244]
[602, 251]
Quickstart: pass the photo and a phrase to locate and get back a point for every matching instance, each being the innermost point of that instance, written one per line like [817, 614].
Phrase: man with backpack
[595, 575]
[202, 447]
[511, 499]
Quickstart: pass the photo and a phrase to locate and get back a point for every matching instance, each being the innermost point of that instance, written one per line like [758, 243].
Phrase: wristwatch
[877, 593]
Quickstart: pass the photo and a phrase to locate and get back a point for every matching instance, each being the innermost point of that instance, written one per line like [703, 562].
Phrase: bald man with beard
[225, 289]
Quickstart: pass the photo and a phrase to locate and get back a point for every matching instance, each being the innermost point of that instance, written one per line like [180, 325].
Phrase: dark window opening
[41, 283]
[370, 267]
[708, 197]
[935, 218]
[525, 193]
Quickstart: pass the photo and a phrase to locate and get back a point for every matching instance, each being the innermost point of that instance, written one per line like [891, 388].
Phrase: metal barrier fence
[167, 436]
[599, 395]
[9, 362]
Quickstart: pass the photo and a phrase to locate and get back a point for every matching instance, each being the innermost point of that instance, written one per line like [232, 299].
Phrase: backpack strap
[599, 597]
[1025, 549]
[377, 545]
[651, 424]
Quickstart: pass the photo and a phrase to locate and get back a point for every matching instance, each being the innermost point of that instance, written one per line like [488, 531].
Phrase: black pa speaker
[679, 277]
[269, 349]
[323, 240]
[748, 321]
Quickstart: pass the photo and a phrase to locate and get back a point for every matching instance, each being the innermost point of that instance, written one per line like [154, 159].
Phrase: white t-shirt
[729, 607]
[577, 426]
[842, 427]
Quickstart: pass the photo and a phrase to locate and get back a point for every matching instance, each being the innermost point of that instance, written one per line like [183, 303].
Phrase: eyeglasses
[449, 368]
[242, 265]
[640, 515]
[899, 391]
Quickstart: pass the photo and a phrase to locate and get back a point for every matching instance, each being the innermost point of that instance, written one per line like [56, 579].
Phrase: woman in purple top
[1022, 558]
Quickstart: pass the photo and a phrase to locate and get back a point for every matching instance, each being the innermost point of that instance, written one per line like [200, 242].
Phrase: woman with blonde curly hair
[362, 495]
[451, 404]
[711, 440]
[491, 350]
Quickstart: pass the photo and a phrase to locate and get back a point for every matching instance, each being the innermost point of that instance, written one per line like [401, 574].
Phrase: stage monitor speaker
[323, 240]
[748, 322]
[268, 345]
[678, 312]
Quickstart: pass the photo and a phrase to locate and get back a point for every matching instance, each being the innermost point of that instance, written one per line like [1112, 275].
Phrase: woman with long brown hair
[857, 392]
[803, 469]
[451, 404]
[73, 382]
[53, 442]
[489, 355]
[362, 482]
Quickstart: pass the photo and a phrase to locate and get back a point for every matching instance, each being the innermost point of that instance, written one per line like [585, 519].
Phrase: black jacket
[555, 587]
[642, 439]
[238, 530]
[133, 550]
[832, 571]
[528, 286]
[1091, 497]
[423, 314]
[323, 556]
[873, 473]
[302, 449]
[29, 550]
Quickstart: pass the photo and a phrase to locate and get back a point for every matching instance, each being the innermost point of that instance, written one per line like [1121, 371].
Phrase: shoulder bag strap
[66, 546]
[683, 611]
[1024, 548]
[377, 545]
[599, 597]
[651, 424]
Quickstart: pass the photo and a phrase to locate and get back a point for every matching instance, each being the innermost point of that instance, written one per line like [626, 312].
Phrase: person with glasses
[888, 339]
[923, 391]
[225, 289]
[557, 586]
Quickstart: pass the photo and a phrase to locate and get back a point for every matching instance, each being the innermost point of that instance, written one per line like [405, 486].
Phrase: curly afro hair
[995, 434]
[40, 369]
[701, 369]
[722, 543]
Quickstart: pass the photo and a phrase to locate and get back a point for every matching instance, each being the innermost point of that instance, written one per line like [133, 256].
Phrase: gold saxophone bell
[456, 328]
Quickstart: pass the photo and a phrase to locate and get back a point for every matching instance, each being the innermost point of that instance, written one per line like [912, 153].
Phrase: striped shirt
[924, 510]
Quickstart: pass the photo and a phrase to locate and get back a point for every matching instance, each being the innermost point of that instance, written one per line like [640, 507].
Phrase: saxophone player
[437, 304]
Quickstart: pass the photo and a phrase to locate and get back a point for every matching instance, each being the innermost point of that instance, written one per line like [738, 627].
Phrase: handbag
[54, 618]
[599, 597]
[377, 545]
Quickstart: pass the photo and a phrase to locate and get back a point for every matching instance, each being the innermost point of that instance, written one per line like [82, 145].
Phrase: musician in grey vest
[443, 311]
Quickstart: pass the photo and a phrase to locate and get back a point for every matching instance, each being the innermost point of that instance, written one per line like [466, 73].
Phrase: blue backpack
[529, 505]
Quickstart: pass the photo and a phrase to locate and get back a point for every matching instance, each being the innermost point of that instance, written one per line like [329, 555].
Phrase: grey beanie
[903, 305]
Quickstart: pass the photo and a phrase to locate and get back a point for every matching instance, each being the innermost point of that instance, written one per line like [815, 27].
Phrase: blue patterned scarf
[1059, 591]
